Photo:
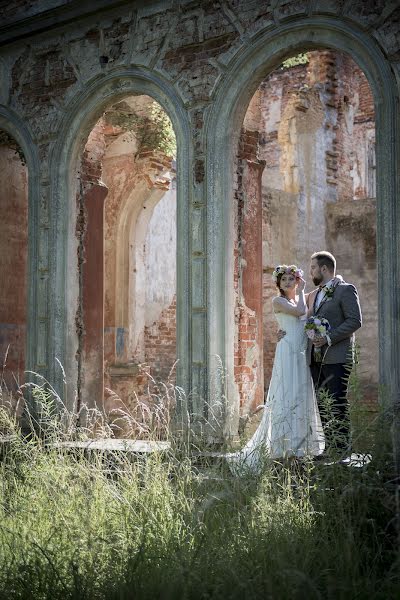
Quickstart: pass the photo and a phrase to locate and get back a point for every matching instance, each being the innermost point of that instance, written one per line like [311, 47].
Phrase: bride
[291, 425]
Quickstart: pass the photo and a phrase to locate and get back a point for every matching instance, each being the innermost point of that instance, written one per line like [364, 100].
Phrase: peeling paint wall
[137, 316]
[13, 264]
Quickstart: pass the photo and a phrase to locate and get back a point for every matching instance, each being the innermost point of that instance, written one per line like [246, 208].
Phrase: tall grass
[71, 528]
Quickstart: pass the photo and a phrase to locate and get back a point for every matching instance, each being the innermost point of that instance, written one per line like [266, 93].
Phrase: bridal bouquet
[316, 326]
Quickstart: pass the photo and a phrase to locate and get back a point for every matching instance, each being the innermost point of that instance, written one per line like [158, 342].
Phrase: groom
[337, 302]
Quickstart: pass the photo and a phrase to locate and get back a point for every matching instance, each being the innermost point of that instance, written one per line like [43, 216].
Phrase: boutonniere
[328, 291]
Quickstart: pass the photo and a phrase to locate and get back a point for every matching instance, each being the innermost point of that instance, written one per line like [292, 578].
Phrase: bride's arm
[281, 304]
[284, 306]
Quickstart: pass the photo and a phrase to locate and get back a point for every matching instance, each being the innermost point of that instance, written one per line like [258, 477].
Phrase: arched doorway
[117, 90]
[307, 162]
[245, 74]
[126, 243]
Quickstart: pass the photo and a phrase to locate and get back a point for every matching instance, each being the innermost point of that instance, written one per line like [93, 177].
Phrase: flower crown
[282, 269]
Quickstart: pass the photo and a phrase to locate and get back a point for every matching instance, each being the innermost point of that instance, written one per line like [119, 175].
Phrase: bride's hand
[319, 341]
[281, 334]
[301, 284]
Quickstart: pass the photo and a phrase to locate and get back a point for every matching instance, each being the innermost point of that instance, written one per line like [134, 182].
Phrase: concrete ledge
[116, 445]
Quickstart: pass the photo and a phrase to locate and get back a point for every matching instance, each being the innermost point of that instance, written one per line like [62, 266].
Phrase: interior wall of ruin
[13, 265]
[139, 266]
[160, 287]
[248, 369]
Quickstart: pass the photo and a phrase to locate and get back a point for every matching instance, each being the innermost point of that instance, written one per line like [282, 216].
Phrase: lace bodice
[294, 327]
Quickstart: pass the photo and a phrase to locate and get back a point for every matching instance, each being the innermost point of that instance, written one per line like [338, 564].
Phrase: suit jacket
[343, 312]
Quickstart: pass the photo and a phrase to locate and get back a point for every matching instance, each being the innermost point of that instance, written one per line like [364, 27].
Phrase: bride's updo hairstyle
[281, 270]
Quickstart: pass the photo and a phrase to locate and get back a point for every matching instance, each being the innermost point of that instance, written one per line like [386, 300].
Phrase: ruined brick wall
[364, 163]
[13, 265]
[248, 368]
[160, 344]
[138, 181]
[345, 171]
[189, 46]
[160, 284]
[90, 170]
[89, 319]
[352, 238]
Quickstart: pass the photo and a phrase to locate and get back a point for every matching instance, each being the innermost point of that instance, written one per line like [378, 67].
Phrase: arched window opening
[126, 229]
[305, 182]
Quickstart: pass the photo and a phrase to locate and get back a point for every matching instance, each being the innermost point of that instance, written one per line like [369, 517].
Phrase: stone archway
[240, 82]
[309, 128]
[81, 116]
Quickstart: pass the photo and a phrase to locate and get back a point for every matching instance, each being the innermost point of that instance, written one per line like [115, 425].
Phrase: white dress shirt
[321, 293]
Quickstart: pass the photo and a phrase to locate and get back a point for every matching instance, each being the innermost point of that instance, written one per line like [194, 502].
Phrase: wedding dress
[291, 424]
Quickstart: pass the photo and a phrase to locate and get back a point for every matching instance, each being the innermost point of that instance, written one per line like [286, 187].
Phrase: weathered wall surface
[318, 135]
[49, 78]
[160, 287]
[137, 228]
[248, 258]
[22, 9]
[13, 264]
[90, 268]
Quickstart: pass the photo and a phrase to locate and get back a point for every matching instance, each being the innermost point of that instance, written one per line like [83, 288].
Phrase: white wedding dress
[291, 425]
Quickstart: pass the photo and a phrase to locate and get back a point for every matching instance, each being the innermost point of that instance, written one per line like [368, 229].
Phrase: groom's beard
[317, 280]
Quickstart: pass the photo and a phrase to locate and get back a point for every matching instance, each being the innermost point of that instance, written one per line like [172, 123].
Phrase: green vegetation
[153, 130]
[104, 526]
[293, 61]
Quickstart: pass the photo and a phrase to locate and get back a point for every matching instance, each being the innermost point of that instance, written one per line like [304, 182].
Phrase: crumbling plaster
[13, 265]
[202, 63]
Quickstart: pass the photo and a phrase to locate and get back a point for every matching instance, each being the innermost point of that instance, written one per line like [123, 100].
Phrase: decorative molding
[60, 16]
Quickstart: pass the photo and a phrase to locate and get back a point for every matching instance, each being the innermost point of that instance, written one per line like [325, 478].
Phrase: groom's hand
[319, 341]
[281, 334]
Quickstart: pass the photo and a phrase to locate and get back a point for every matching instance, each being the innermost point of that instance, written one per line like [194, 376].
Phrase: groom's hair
[326, 259]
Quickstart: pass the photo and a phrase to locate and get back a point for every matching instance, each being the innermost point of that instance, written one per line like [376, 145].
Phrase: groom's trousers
[333, 405]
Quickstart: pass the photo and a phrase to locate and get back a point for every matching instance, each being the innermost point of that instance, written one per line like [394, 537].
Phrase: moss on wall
[153, 130]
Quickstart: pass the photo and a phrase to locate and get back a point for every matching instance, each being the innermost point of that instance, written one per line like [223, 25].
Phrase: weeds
[176, 524]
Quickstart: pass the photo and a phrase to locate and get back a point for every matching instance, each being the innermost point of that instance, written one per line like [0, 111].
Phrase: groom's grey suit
[342, 310]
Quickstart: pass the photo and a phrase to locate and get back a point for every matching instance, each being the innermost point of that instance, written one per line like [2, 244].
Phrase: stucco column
[252, 275]
[92, 360]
